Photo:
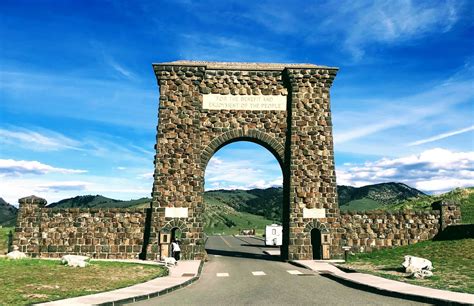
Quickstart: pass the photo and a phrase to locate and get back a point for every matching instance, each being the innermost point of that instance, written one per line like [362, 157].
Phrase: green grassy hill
[8, 213]
[220, 218]
[97, 201]
[378, 196]
[262, 202]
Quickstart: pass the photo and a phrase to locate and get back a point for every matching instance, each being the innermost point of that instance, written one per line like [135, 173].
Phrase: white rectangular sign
[243, 102]
[176, 212]
[314, 213]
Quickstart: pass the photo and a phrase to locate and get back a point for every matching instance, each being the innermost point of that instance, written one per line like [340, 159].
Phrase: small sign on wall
[314, 213]
[176, 212]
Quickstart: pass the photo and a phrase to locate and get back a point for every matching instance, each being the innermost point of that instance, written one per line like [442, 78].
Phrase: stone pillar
[27, 231]
[178, 177]
[312, 177]
[450, 213]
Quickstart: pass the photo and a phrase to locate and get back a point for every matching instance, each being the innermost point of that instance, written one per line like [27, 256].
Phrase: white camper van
[274, 234]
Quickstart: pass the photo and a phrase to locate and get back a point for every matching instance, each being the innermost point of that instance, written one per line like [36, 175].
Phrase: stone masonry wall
[95, 232]
[367, 231]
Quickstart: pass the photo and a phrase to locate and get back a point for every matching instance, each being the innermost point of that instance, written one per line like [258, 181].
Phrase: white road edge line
[222, 274]
[294, 272]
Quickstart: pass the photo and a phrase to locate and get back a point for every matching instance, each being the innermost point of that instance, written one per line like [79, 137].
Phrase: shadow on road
[260, 246]
[243, 255]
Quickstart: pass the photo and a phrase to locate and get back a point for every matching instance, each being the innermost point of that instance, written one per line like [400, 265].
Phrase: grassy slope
[361, 204]
[7, 213]
[4, 231]
[97, 201]
[220, 218]
[263, 202]
[453, 263]
[28, 281]
[465, 196]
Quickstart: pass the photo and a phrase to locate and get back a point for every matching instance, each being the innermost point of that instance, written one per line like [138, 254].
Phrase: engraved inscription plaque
[243, 102]
[314, 213]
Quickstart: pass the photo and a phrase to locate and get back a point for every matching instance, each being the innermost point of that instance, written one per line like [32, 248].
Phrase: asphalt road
[238, 273]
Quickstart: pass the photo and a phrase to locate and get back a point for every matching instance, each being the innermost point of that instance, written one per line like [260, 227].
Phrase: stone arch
[283, 107]
[316, 224]
[253, 135]
[175, 223]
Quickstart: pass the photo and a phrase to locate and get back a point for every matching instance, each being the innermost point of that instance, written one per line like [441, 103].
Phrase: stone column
[312, 177]
[178, 177]
[27, 231]
[450, 213]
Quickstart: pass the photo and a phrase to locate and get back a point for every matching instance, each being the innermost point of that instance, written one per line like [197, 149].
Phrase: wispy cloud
[389, 22]
[97, 144]
[37, 140]
[436, 170]
[62, 186]
[202, 46]
[118, 67]
[382, 114]
[10, 167]
[56, 94]
[371, 22]
[441, 136]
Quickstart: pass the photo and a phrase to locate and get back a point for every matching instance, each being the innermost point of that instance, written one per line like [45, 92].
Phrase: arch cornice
[316, 224]
[253, 135]
[175, 223]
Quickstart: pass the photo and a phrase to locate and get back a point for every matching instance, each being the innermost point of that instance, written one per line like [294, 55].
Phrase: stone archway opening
[243, 195]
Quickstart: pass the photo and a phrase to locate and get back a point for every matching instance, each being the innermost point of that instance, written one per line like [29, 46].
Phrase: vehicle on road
[274, 234]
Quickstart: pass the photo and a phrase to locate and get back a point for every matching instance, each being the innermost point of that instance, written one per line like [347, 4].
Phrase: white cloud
[147, 176]
[54, 188]
[435, 170]
[259, 184]
[40, 140]
[10, 167]
[441, 136]
[242, 174]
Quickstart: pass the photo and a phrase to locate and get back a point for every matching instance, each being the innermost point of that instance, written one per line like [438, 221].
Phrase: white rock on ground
[419, 267]
[422, 274]
[75, 260]
[15, 254]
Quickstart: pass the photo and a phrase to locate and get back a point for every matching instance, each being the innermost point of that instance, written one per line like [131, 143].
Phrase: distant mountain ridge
[97, 201]
[234, 208]
[375, 196]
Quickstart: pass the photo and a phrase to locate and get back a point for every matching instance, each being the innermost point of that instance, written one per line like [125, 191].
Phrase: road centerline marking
[226, 242]
[258, 273]
[294, 272]
[222, 274]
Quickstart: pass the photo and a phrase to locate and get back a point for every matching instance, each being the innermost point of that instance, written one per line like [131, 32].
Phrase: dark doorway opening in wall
[316, 243]
[176, 234]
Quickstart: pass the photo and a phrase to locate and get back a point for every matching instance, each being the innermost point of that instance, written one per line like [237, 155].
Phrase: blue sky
[79, 100]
